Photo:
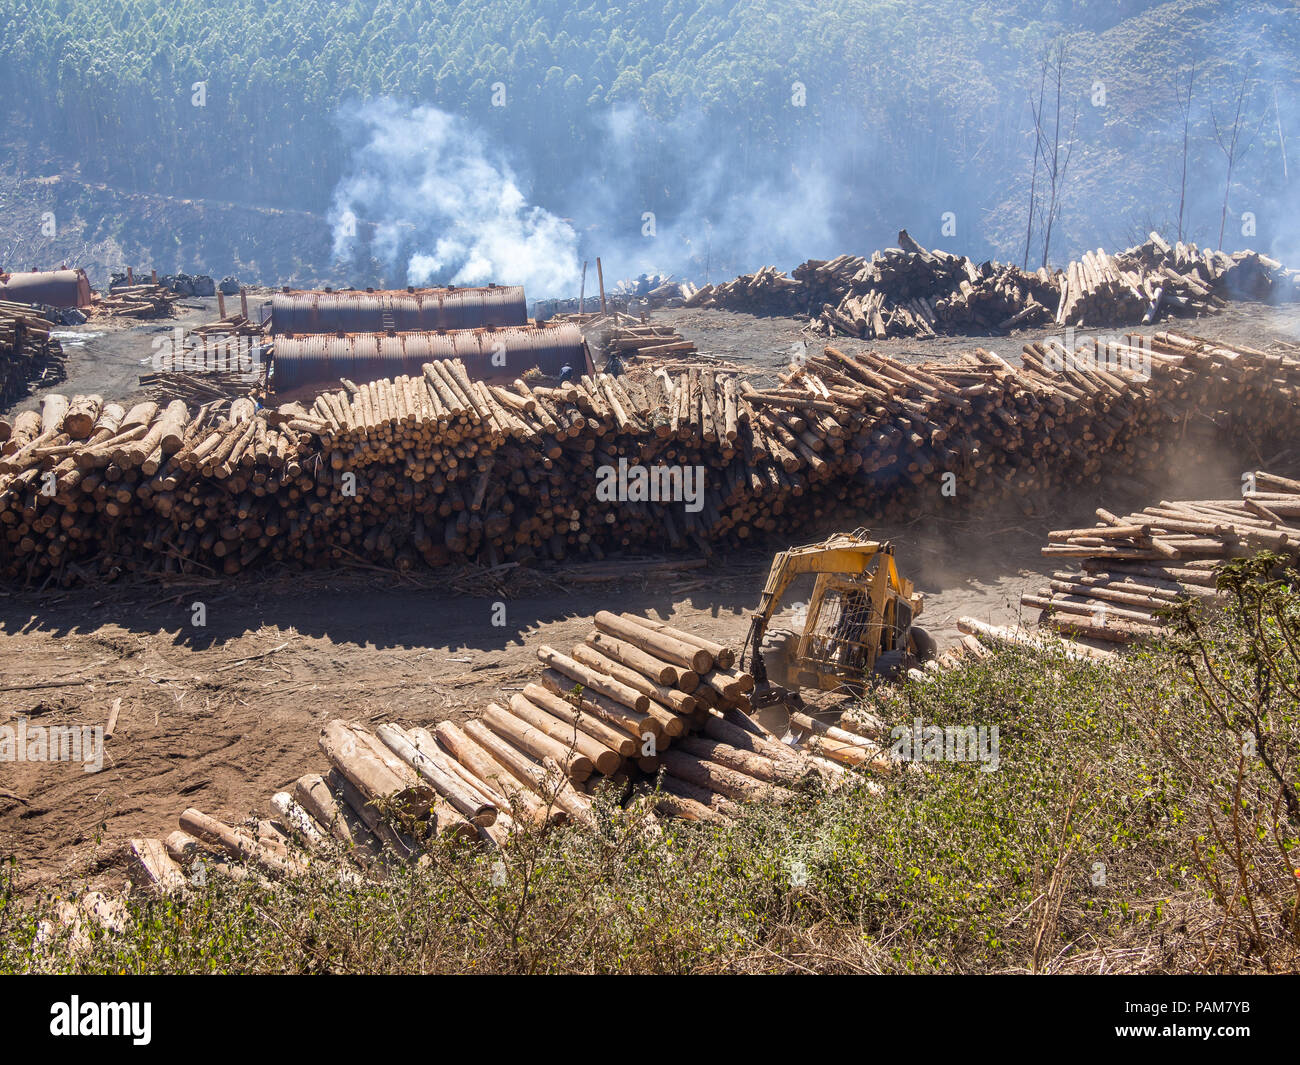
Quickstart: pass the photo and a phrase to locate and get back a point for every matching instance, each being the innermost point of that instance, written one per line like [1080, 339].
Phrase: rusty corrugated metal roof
[403, 311]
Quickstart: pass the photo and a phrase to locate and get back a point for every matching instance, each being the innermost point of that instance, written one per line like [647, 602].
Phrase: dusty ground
[220, 717]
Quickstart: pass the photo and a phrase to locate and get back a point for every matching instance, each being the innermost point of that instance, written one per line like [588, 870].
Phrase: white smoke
[436, 203]
[725, 220]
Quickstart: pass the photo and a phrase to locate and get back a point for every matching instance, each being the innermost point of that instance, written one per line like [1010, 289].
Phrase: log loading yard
[307, 556]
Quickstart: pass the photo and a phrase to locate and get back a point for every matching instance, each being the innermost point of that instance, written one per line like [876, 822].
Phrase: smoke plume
[429, 199]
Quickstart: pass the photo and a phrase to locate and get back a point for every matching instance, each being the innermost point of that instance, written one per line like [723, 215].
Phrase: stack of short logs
[28, 357]
[638, 701]
[914, 292]
[629, 342]
[152, 300]
[441, 467]
[1137, 566]
[691, 749]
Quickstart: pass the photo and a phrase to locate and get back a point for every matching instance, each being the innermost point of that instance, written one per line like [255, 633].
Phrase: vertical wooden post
[130, 276]
[243, 301]
[582, 291]
[221, 304]
[600, 274]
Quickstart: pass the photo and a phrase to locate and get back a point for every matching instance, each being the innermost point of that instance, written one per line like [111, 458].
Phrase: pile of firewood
[654, 291]
[911, 291]
[235, 325]
[1185, 271]
[766, 291]
[221, 360]
[650, 341]
[443, 468]
[1136, 565]
[136, 301]
[28, 357]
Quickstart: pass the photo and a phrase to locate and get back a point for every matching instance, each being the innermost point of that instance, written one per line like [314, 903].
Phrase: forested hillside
[751, 132]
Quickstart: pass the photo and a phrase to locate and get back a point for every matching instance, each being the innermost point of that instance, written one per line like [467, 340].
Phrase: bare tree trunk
[1281, 137]
[1230, 144]
[1187, 118]
[1056, 172]
[1036, 112]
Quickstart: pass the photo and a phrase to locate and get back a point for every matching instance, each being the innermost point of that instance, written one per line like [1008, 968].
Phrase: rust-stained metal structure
[319, 361]
[53, 288]
[402, 311]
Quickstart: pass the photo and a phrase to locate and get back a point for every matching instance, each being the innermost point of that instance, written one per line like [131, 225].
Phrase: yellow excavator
[858, 623]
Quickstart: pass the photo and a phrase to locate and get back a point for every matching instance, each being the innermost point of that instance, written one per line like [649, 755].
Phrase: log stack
[1135, 566]
[653, 291]
[28, 356]
[644, 341]
[209, 366]
[441, 467]
[638, 698]
[150, 300]
[914, 292]
[233, 325]
[389, 790]
[765, 291]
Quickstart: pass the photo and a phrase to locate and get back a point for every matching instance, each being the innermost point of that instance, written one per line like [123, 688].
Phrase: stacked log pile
[441, 467]
[151, 300]
[1197, 280]
[195, 387]
[207, 352]
[28, 357]
[654, 291]
[915, 292]
[1135, 566]
[647, 341]
[636, 698]
[234, 325]
[766, 291]
[218, 360]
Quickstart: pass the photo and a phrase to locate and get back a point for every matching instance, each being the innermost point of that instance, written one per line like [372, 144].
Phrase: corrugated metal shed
[317, 361]
[402, 311]
[54, 288]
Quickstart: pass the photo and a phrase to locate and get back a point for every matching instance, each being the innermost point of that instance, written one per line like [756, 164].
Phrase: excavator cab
[859, 622]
